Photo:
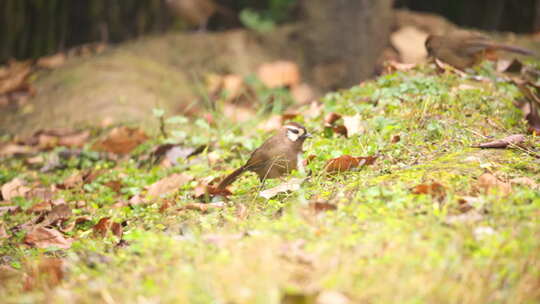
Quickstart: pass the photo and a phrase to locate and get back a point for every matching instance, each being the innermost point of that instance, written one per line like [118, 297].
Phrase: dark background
[34, 28]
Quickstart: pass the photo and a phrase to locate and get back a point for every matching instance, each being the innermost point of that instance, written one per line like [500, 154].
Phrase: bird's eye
[295, 131]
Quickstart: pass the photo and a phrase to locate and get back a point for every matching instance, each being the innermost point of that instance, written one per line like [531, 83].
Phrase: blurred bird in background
[197, 13]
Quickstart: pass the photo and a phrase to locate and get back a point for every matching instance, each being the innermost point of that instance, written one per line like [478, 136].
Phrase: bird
[197, 12]
[277, 156]
[463, 49]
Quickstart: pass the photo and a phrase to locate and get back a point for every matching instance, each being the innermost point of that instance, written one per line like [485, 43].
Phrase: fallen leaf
[487, 182]
[525, 181]
[529, 108]
[121, 140]
[17, 78]
[435, 189]
[46, 272]
[509, 66]
[44, 206]
[52, 62]
[391, 66]
[41, 237]
[409, 41]
[291, 185]
[73, 181]
[10, 209]
[11, 149]
[340, 129]
[467, 203]
[105, 225]
[14, 188]
[347, 162]
[512, 140]
[168, 185]
[202, 207]
[320, 206]
[395, 138]
[331, 118]
[115, 185]
[279, 74]
[203, 191]
[354, 125]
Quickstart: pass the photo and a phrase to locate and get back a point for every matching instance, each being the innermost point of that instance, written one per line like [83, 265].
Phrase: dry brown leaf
[105, 225]
[291, 185]
[11, 149]
[525, 181]
[121, 140]
[509, 66]
[10, 209]
[45, 206]
[46, 272]
[331, 118]
[115, 185]
[435, 189]
[279, 74]
[14, 188]
[73, 181]
[202, 207]
[347, 162]
[395, 138]
[340, 129]
[18, 74]
[52, 62]
[319, 206]
[203, 191]
[487, 182]
[354, 125]
[167, 185]
[41, 237]
[512, 140]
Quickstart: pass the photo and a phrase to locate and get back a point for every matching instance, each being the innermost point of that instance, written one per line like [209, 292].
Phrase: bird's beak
[308, 135]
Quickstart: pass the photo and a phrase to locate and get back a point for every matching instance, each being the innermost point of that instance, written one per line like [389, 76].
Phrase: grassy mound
[383, 241]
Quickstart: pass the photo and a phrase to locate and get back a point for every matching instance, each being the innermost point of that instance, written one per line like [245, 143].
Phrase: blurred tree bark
[344, 38]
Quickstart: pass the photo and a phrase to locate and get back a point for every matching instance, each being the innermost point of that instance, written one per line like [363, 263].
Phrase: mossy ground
[383, 244]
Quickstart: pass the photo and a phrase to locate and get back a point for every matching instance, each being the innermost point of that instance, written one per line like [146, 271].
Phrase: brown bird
[463, 49]
[276, 157]
[197, 12]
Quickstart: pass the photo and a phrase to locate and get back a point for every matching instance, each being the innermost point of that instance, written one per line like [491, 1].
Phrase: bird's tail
[516, 49]
[231, 178]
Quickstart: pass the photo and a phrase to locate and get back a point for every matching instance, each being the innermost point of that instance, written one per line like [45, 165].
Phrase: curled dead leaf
[320, 206]
[347, 162]
[331, 118]
[203, 191]
[291, 185]
[202, 207]
[512, 140]
[435, 189]
[121, 140]
[105, 225]
[41, 237]
[167, 185]
[14, 188]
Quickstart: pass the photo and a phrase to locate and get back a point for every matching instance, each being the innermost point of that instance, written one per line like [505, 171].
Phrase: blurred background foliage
[34, 28]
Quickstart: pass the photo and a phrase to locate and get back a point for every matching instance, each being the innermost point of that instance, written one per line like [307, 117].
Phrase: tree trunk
[344, 38]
